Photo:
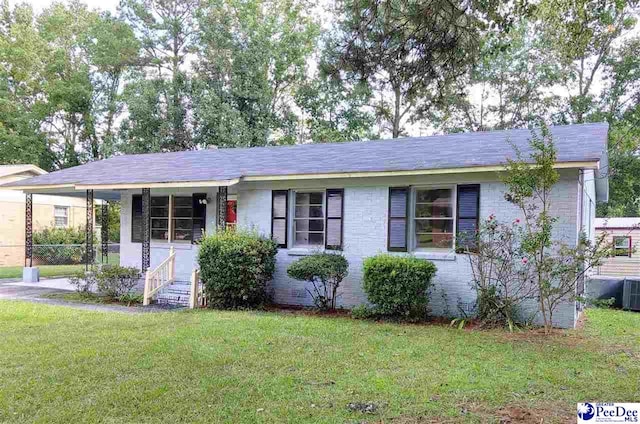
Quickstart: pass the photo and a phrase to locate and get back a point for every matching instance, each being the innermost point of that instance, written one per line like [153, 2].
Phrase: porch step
[175, 294]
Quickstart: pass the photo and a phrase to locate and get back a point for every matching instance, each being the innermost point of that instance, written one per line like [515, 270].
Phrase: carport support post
[222, 208]
[28, 233]
[29, 273]
[89, 231]
[146, 230]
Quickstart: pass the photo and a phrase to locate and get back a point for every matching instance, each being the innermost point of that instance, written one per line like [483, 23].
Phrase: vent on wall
[631, 295]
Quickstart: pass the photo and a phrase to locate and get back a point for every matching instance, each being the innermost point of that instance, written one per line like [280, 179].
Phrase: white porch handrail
[160, 277]
[196, 296]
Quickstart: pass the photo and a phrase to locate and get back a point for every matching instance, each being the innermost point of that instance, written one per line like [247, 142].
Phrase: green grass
[60, 365]
[52, 270]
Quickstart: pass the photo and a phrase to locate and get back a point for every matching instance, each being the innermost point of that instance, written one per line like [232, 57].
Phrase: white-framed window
[309, 219]
[622, 246]
[61, 216]
[433, 217]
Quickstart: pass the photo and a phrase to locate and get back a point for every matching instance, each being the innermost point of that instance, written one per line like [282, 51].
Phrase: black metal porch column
[28, 230]
[222, 208]
[104, 232]
[146, 230]
[89, 231]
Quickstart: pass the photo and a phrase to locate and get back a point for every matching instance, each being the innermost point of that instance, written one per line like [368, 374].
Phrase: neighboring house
[406, 196]
[623, 234]
[48, 211]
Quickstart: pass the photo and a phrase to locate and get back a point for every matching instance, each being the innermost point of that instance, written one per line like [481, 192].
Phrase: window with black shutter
[468, 216]
[279, 213]
[397, 222]
[333, 225]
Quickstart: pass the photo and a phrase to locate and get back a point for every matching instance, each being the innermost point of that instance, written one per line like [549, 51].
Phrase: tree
[159, 95]
[21, 64]
[407, 51]
[556, 268]
[336, 111]
[252, 60]
[507, 88]
[580, 36]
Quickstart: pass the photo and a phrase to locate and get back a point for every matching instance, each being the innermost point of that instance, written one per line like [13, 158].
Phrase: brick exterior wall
[365, 234]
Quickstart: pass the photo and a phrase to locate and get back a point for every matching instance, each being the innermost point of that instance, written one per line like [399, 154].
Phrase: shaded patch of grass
[61, 365]
[80, 297]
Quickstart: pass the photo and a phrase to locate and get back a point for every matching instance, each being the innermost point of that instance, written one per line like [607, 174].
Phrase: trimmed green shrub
[364, 312]
[325, 272]
[116, 282]
[235, 267]
[398, 286]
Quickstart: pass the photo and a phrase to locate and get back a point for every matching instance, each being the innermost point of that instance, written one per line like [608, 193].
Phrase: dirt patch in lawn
[510, 414]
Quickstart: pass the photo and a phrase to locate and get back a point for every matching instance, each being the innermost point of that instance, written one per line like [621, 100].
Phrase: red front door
[231, 213]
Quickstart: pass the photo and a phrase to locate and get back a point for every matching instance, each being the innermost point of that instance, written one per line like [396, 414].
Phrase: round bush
[325, 271]
[235, 267]
[398, 286]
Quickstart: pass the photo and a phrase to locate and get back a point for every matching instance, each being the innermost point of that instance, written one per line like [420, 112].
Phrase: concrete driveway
[16, 289]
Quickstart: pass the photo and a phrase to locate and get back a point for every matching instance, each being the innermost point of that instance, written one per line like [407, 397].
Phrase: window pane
[428, 210]
[621, 242]
[302, 198]
[159, 212]
[182, 234]
[159, 234]
[314, 198]
[434, 226]
[183, 201]
[309, 225]
[183, 224]
[160, 201]
[434, 240]
[309, 212]
[309, 239]
[182, 212]
[160, 224]
[440, 195]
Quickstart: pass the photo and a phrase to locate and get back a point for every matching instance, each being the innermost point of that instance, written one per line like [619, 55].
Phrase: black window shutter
[398, 217]
[333, 224]
[199, 216]
[136, 218]
[279, 216]
[468, 216]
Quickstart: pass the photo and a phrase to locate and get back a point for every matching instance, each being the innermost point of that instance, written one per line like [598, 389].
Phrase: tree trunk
[396, 112]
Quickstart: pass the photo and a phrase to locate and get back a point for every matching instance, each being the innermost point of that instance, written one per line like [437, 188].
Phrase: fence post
[89, 231]
[172, 264]
[147, 288]
[193, 296]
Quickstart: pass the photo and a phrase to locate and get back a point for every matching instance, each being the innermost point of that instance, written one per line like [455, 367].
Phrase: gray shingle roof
[574, 143]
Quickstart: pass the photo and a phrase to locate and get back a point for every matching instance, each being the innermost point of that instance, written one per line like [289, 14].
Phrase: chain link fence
[55, 259]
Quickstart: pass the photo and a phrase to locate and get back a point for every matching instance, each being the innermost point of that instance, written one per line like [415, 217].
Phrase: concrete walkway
[38, 292]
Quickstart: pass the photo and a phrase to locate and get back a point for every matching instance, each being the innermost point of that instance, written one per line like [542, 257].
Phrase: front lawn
[63, 365]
